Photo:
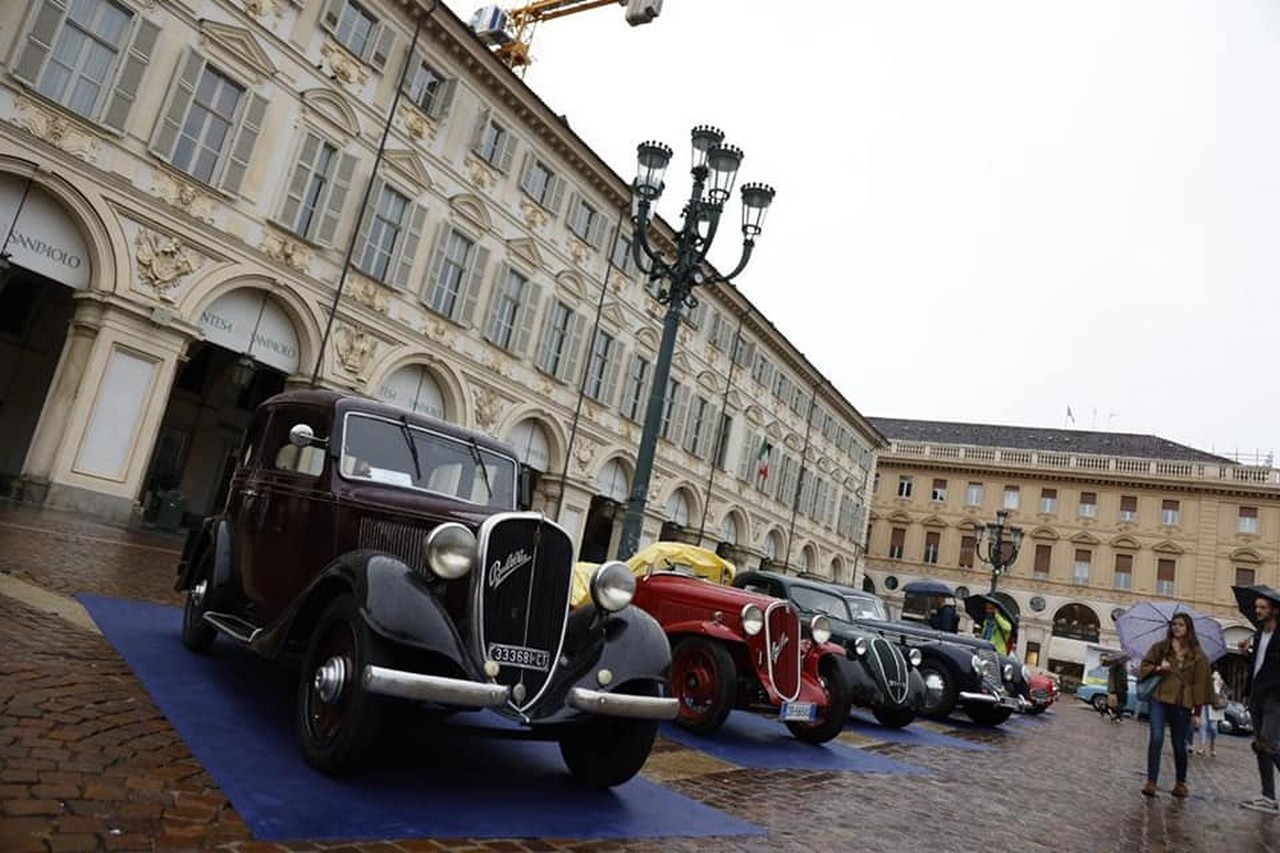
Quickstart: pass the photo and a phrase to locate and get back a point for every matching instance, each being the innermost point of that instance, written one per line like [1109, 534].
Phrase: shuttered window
[635, 395]
[1124, 571]
[1165, 571]
[317, 189]
[675, 407]
[389, 235]
[966, 552]
[541, 184]
[1080, 569]
[492, 142]
[429, 90]
[561, 340]
[511, 310]
[932, 540]
[1044, 558]
[897, 540]
[359, 31]
[1129, 508]
[585, 221]
[602, 367]
[454, 275]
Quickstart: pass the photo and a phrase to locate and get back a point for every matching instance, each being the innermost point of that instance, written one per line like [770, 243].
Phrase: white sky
[986, 211]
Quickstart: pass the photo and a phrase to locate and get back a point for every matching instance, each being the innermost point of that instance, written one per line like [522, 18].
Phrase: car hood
[910, 629]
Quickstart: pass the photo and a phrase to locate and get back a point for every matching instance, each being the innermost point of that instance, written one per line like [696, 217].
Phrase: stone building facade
[185, 187]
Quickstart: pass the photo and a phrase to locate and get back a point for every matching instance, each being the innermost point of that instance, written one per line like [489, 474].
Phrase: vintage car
[731, 648]
[883, 677]
[1042, 691]
[959, 671]
[1236, 719]
[1094, 694]
[389, 550]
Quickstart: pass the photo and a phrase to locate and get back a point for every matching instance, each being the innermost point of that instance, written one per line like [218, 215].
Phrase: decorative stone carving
[370, 294]
[418, 126]
[497, 365]
[482, 174]
[584, 453]
[55, 129]
[287, 251]
[261, 8]
[355, 348]
[183, 196]
[579, 252]
[435, 328]
[486, 403]
[162, 262]
[545, 387]
[534, 216]
[342, 66]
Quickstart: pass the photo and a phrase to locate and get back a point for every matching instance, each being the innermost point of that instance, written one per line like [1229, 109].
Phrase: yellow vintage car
[661, 556]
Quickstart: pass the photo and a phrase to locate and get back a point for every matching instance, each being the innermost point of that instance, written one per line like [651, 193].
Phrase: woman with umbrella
[1184, 683]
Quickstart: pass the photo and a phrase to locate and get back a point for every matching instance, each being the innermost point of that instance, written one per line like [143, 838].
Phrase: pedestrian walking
[1211, 715]
[1183, 670]
[996, 627]
[1264, 696]
[1117, 686]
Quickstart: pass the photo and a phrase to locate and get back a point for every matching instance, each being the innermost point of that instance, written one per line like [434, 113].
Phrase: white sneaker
[1261, 804]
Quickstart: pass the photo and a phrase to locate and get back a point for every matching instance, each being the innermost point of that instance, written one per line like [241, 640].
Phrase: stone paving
[87, 762]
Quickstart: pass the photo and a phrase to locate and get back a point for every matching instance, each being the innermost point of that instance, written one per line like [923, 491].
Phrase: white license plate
[803, 711]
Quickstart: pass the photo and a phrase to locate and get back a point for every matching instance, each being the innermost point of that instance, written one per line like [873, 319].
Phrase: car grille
[521, 591]
[782, 640]
[890, 668]
[992, 661]
[1040, 695]
[401, 540]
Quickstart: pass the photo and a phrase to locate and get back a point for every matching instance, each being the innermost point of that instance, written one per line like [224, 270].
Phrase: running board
[233, 626]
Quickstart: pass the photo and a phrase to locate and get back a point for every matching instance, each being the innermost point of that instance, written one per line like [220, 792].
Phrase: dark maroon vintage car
[387, 548]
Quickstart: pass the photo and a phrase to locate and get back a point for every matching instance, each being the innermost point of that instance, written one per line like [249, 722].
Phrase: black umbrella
[976, 607]
[930, 587]
[1247, 595]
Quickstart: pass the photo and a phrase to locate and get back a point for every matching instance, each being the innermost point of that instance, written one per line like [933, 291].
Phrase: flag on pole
[762, 459]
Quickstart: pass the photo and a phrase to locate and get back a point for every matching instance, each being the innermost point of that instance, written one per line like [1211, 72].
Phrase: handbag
[1219, 702]
[1148, 685]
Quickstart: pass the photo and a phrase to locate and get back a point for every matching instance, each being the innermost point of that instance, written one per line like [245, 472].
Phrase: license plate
[520, 657]
[801, 711]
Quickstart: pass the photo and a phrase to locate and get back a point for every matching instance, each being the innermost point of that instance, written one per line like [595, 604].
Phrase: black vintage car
[959, 671]
[387, 548]
[882, 676]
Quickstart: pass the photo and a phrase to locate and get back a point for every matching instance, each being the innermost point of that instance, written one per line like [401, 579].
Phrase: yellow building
[1108, 519]
[183, 191]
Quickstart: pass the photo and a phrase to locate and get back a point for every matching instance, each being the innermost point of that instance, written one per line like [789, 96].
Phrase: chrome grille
[992, 661]
[402, 540]
[890, 668]
[782, 645]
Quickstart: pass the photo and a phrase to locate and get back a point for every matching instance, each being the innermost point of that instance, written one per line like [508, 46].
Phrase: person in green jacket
[996, 627]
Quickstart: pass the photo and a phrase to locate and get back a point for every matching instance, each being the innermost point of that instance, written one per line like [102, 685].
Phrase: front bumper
[624, 705]
[992, 697]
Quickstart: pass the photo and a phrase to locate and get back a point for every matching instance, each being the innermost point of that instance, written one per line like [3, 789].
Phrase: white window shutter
[444, 99]
[297, 187]
[366, 221]
[525, 166]
[331, 14]
[572, 219]
[611, 371]
[475, 278]
[495, 301]
[245, 140]
[528, 310]
[573, 343]
[506, 152]
[410, 237]
[129, 76]
[544, 344]
[380, 43]
[181, 91]
[339, 187]
[31, 57]
[436, 264]
[707, 441]
[595, 230]
[555, 194]
[477, 132]
[679, 411]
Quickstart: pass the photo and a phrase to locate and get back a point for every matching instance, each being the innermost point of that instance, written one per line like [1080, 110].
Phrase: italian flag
[762, 459]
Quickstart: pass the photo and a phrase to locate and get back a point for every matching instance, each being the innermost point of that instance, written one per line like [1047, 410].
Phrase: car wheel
[704, 682]
[336, 716]
[939, 690]
[197, 634]
[1099, 702]
[988, 715]
[1225, 727]
[839, 698]
[894, 718]
[607, 751]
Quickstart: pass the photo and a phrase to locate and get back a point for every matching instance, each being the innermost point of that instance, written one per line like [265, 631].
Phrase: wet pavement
[88, 762]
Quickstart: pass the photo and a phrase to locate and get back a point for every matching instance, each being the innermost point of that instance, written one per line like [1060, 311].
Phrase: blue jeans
[1179, 721]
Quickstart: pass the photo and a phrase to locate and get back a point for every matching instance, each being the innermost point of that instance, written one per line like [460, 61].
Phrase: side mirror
[301, 435]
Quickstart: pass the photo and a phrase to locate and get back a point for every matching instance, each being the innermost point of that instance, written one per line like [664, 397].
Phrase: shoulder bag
[1148, 685]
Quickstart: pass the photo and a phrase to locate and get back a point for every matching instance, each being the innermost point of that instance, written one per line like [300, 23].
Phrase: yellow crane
[510, 31]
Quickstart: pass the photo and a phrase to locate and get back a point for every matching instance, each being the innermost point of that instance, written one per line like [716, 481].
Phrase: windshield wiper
[484, 471]
[413, 449]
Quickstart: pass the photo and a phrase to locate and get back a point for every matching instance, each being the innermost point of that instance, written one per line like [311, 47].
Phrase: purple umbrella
[1147, 622]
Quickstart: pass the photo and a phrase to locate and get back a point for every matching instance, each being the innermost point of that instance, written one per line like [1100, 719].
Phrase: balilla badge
[775, 649]
[500, 571]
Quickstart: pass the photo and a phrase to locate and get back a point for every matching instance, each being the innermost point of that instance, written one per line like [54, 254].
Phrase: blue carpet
[235, 711]
[757, 742]
[913, 735]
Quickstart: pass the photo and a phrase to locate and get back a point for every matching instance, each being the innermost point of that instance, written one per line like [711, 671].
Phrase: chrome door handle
[249, 493]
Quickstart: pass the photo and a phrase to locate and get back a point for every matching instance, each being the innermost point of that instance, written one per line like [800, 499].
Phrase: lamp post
[1001, 551]
[715, 167]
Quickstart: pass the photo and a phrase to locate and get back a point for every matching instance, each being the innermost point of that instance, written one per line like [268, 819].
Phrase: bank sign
[44, 239]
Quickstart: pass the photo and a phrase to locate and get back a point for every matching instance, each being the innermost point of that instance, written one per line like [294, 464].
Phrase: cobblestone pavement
[88, 762]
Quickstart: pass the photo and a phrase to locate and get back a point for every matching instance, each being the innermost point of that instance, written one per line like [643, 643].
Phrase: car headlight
[979, 665]
[1008, 672]
[915, 656]
[860, 646]
[1026, 673]
[612, 586]
[451, 550]
[752, 620]
[820, 628]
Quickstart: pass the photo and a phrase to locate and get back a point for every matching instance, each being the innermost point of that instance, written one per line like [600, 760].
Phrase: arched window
[1076, 622]
[415, 389]
[611, 482]
[530, 441]
[729, 530]
[678, 508]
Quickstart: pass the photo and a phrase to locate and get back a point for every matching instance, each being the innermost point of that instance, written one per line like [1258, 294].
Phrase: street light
[715, 167]
[1001, 552]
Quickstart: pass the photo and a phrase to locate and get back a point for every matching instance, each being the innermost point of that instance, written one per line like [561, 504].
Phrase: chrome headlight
[979, 665]
[612, 586]
[820, 629]
[1026, 673]
[1008, 672]
[914, 656]
[451, 550]
[752, 620]
[860, 646]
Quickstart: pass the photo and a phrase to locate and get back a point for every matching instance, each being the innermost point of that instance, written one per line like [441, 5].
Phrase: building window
[939, 492]
[80, 55]
[387, 220]
[698, 432]
[1245, 577]
[429, 90]
[492, 143]
[1248, 522]
[1044, 555]
[973, 494]
[453, 275]
[620, 256]
[1048, 501]
[541, 184]
[1088, 504]
[966, 552]
[356, 29]
[673, 410]
[1129, 509]
[904, 486]
[722, 442]
[1080, 570]
[634, 395]
[897, 537]
[875, 484]
[510, 311]
[1124, 571]
[1011, 497]
[1169, 512]
[1165, 576]
[317, 190]
[602, 367]
[560, 336]
[931, 542]
[585, 221]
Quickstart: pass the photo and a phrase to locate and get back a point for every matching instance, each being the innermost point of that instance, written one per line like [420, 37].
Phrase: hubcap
[330, 679]
[934, 684]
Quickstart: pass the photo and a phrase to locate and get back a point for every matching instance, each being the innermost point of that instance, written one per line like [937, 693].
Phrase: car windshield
[396, 453]
[819, 601]
[867, 608]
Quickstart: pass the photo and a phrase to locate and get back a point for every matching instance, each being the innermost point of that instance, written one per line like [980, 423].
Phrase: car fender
[214, 533]
[956, 659]
[702, 628]
[635, 647]
[861, 679]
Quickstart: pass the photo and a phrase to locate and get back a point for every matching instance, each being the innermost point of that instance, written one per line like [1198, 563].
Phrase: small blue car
[1096, 695]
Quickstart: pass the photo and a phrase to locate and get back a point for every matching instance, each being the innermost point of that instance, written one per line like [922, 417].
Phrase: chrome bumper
[1015, 702]
[433, 688]
[623, 705]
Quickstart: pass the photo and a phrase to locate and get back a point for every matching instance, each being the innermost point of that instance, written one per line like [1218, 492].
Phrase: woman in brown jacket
[1184, 685]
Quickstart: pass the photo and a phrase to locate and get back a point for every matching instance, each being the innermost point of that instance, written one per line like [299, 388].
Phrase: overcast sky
[986, 211]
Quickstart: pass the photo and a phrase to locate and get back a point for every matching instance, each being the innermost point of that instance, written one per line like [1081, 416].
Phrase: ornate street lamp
[1001, 551]
[715, 167]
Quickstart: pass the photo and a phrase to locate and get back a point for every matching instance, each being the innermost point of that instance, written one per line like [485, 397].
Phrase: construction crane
[510, 31]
